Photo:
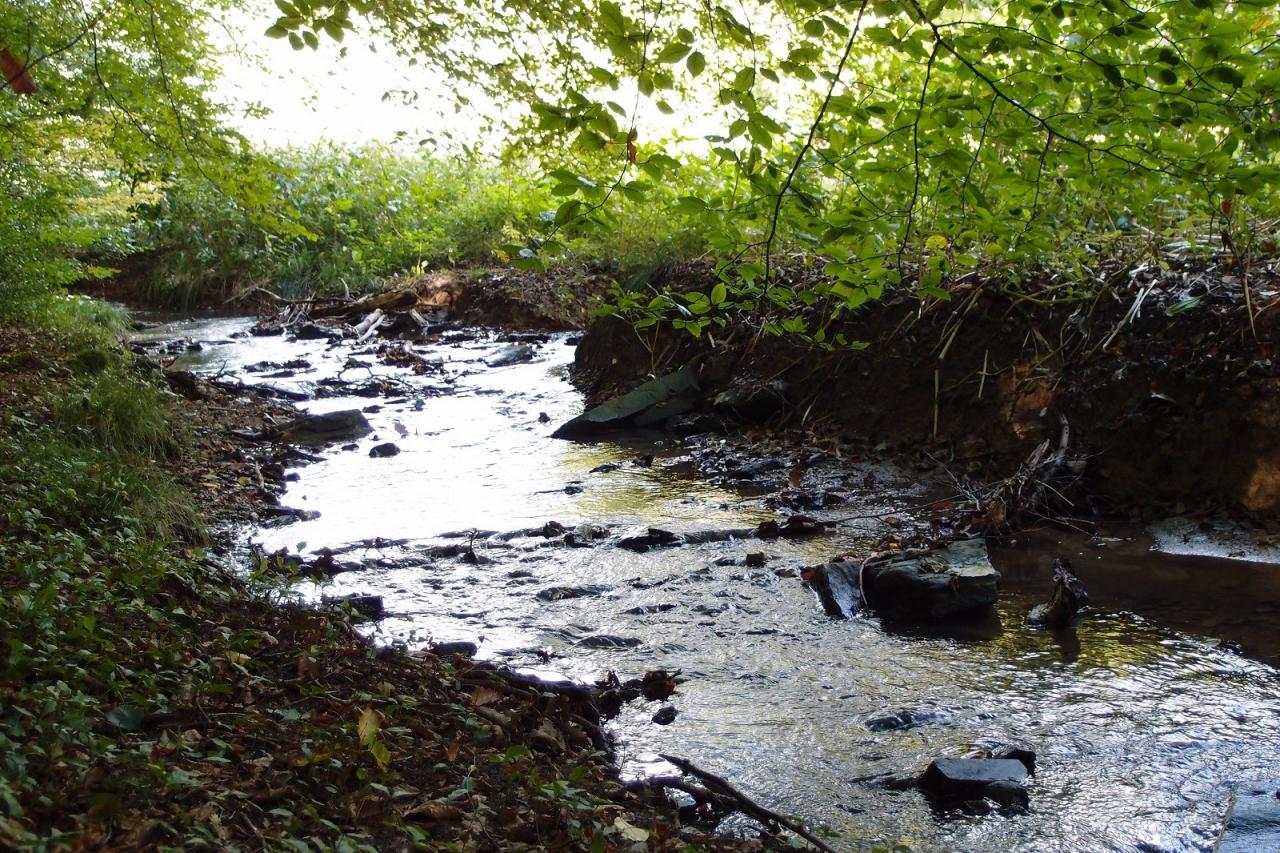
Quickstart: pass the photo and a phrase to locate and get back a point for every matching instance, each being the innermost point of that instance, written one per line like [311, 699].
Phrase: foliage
[358, 216]
[367, 215]
[122, 107]
[902, 143]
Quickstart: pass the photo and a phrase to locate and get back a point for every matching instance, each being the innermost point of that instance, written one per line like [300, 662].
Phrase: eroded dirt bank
[1171, 399]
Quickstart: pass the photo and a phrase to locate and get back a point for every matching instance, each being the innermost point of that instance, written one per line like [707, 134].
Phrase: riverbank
[1164, 379]
[153, 697]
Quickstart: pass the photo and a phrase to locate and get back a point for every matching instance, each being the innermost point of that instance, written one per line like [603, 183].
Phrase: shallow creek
[1140, 722]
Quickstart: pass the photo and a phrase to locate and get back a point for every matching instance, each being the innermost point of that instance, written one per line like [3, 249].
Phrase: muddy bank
[1171, 401]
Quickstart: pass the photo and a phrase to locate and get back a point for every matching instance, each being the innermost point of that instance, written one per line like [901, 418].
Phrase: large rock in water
[650, 403]
[838, 588]
[947, 582]
[1253, 820]
[325, 428]
[959, 779]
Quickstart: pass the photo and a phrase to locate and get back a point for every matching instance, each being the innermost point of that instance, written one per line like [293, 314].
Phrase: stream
[1141, 722]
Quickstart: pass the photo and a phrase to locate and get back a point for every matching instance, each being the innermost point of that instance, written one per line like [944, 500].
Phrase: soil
[1170, 398]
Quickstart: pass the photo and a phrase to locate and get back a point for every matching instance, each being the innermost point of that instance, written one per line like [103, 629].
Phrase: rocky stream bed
[442, 501]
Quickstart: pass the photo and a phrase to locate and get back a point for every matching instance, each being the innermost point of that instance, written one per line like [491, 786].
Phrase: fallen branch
[743, 803]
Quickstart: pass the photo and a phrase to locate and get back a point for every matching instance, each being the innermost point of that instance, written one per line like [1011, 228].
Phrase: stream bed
[1141, 719]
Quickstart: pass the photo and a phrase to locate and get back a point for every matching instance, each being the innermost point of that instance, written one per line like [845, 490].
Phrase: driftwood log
[1067, 600]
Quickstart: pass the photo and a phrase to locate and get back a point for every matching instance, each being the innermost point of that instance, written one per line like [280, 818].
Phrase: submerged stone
[1253, 819]
[947, 582]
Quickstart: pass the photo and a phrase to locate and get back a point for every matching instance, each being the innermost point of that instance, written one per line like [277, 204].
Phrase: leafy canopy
[904, 142]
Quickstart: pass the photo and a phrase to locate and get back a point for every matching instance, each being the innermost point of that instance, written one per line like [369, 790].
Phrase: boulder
[838, 588]
[370, 606]
[384, 450]
[959, 780]
[1253, 819]
[939, 584]
[508, 356]
[654, 401]
[325, 428]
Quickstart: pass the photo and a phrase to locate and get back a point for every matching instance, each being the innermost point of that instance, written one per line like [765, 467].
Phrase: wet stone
[560, 593]
[384, 450]
[1253, 819]
[666, 715]
[647, 609]
[366, 605]
[466, 648]
[902, 720]
[976, 778]
[838, 588]
[508, 356]
[947, 582]
[608, 641]
[325, 428]
[653, 538]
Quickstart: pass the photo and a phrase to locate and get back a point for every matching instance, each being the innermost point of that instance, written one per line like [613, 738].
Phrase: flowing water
[1139, 721]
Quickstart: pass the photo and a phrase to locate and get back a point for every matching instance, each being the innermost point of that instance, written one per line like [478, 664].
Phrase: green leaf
[673, 52]
[276, 31]
[1113, 75]
[612, 19]
[718, 293]
[568, 211]
[127, 718]
[696, 63]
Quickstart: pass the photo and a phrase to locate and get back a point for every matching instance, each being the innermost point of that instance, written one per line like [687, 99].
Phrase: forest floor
[152, 698]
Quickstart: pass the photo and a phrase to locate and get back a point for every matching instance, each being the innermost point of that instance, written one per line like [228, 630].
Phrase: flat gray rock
[947, 582]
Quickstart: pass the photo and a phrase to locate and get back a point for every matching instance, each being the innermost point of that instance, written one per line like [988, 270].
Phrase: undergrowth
[360, 217]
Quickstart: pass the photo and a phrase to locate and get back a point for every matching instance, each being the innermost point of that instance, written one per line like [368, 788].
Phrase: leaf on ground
[629, 831]
[369, 726]
[484, 696]
[431, 810]
[126, 717]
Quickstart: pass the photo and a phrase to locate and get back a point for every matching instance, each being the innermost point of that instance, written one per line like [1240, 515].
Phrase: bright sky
[322, 94]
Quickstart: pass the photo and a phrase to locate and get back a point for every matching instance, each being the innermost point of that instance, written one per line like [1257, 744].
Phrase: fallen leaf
[432, 810]
[368, 726]
[484, 696]
[630, 831]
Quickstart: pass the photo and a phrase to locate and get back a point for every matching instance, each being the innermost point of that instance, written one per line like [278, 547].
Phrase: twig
[742, 802]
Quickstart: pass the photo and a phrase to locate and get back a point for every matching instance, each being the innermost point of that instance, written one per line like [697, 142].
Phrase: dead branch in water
[741, 802]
